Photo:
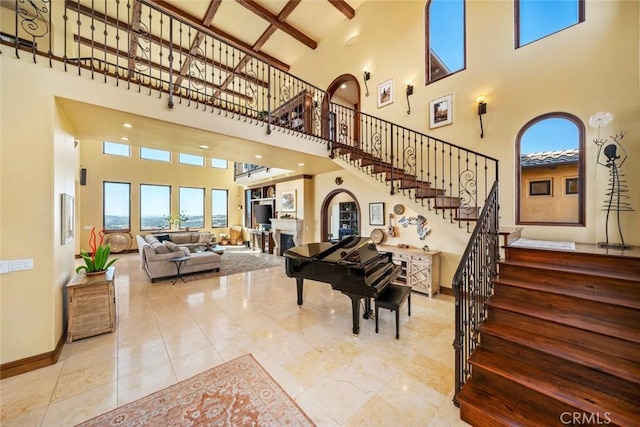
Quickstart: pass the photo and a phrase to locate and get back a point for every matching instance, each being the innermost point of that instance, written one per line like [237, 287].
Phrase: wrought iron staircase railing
[145, 46]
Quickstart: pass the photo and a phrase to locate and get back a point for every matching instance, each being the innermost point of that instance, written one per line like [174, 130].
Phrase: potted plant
[174, 220]
[98, 262]
[224, 239]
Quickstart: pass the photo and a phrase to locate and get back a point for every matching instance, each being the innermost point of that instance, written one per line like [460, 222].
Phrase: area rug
[239, 262]
[237, 393]
[543, 244]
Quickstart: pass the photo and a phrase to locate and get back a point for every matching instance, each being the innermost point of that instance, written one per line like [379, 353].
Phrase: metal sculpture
[421, 223]
[613, 156]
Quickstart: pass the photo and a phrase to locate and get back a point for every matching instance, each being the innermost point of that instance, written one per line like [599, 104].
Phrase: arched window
[550, 171]
[445, 38]
[537, 19]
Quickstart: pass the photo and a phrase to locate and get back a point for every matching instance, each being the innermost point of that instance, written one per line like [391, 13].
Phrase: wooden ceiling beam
[214, 5]
[343, 7]
[262, 12]
[216, 32]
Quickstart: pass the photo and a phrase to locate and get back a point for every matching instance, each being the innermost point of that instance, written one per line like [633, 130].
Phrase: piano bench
[392, 298]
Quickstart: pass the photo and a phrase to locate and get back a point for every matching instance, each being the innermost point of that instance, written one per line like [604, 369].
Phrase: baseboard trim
[32, 363]
[446, 291]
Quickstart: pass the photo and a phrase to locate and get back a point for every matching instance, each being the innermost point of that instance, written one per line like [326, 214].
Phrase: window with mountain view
[116, 205]
[192, 206]
[155, 206]
[219, 208]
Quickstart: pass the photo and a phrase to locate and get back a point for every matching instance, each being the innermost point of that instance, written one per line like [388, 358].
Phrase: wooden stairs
[407, 182]
[561, 343]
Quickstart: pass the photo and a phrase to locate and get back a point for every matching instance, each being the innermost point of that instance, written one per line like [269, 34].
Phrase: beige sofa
[155, 255]
[194, 240]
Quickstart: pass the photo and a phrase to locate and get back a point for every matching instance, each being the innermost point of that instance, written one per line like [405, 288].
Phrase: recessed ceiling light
[300, 164]
[204, 147]
[125, 138]
[343, 86]
[258, 156]
[127, 125]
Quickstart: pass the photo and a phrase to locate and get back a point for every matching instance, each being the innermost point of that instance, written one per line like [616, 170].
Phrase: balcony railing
[146, 47]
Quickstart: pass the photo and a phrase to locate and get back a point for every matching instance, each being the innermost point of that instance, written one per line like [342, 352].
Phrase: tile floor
[166, 334]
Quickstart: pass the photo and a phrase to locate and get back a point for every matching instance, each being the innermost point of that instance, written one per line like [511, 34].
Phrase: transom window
[116, 207]
[154, 154]
[116, 149]
[191, 159]
[445, 38]
[536, 19]
[219, 163]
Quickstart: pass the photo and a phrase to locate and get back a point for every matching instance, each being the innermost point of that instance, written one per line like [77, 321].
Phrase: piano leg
[355, 308]
[299, 282]
[367, 308]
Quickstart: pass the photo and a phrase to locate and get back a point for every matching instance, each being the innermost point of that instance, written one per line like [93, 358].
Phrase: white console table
[420, 269]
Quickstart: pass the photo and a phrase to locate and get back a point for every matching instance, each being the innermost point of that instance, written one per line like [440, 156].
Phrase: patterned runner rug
[237, 393]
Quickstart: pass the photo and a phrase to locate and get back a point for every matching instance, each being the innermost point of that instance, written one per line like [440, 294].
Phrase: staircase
[561, 342]
[402, 176]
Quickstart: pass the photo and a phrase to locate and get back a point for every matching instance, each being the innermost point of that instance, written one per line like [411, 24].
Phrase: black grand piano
[352, 266]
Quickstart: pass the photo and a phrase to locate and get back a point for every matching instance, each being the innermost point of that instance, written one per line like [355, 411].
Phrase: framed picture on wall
[376, 213]
[386, 93]
[288, 201]
[67, 218]
[441, 111]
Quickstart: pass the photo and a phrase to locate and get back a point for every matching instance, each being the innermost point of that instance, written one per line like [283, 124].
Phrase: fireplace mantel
[286, 226]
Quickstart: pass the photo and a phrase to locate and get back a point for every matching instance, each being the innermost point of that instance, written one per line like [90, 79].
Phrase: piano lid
[352, 249]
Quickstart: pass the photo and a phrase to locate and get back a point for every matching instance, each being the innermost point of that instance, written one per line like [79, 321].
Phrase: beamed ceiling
[277, 32]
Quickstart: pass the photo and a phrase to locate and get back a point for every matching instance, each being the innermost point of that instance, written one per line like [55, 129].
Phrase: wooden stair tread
[568, 268]
[504, 411]
[606, 363]
[574, 318]
[591, 293]
[544, 380]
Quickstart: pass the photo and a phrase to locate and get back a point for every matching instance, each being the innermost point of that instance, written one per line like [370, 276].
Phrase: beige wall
[136, 171]
[587, 68]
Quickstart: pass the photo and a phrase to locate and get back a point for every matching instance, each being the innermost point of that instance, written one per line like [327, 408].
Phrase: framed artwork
[441, 111]
[386, 93]
[288, 201]
[68, 220]
[376, 213]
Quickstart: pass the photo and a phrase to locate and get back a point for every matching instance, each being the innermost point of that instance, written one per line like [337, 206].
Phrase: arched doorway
[342, 109]
[328, 221]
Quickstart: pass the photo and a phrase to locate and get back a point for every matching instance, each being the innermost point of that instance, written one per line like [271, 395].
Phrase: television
[263, 214]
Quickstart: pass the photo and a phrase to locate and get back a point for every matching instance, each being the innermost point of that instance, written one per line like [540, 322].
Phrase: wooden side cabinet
[91, 305]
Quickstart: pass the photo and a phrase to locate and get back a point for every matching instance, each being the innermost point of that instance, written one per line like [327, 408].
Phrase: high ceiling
[277, 31]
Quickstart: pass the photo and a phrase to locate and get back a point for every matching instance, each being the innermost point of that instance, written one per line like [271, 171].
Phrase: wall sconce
[366, 76]
[409, 92]
[482, 109]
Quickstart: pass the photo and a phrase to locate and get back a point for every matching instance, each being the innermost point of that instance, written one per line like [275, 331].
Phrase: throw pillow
[163, 237]
[172, 246]
[204, 238]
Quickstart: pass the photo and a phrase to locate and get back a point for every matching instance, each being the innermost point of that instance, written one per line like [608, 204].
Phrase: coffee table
[218, 250]
[178, 261]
